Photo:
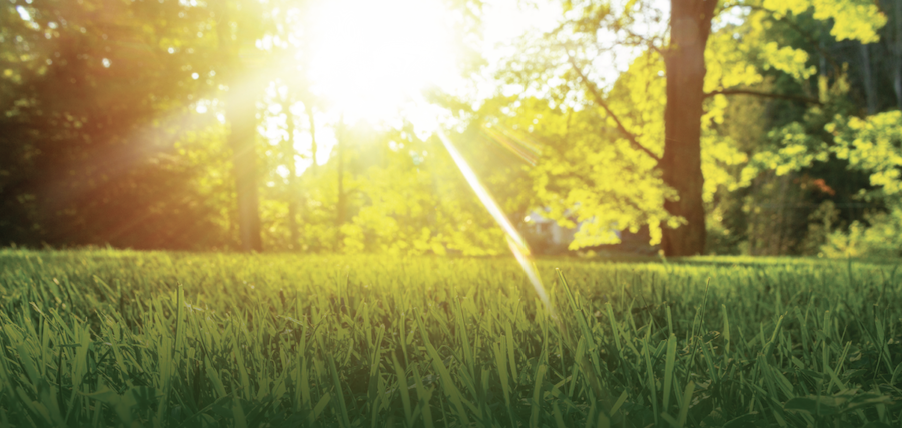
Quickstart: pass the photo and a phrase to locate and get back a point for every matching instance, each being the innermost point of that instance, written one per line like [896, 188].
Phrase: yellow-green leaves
[873, 144]
[787, 59]
[796, 149]
[852, 19]
[590, 173]
[729, 61]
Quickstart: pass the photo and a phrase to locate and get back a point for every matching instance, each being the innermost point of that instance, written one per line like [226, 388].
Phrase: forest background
[191, 125]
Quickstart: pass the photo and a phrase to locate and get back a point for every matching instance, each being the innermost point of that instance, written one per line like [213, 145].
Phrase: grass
[107, 338]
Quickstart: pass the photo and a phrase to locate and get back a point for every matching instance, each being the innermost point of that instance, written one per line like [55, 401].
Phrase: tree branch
[798, 98]
[648, 42]
[632, 138]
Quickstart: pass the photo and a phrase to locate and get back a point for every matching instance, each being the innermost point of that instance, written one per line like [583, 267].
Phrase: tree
[405, 195]
[796, 192]
[574, 50]
[289, 154]
[681, 164]
[237, 29]
[97, 96]
[873, 146]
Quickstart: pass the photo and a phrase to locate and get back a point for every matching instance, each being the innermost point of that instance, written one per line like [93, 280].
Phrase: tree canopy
[755, 127]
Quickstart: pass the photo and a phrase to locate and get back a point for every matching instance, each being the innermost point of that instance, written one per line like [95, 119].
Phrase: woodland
[716, 127]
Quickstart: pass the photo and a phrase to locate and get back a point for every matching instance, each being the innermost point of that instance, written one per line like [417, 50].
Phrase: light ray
[522, 146]
[516, 242]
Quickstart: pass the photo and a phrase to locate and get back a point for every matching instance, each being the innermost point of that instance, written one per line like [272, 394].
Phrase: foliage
[871, 146]
[597, 169]
[852, 19]
[874, 146]
[110, 338]
[880, 237]
[99, 98]
[114, 130]
[775, 207]
[415, 202]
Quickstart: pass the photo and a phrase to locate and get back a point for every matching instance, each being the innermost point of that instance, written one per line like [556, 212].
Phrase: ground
[120, 338]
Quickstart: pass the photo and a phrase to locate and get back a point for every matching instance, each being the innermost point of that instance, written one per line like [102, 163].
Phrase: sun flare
[370, 58]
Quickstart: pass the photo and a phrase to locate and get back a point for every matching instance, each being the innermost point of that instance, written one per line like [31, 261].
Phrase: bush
[883, 238]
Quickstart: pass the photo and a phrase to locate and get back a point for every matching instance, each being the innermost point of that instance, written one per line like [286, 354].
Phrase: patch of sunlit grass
[108, 338]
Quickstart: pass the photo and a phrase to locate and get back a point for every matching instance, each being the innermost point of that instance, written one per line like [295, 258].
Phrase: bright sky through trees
[194, 115]
[369, 58]
[372, 60]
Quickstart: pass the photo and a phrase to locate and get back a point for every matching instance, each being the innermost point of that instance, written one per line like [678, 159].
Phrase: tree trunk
[241, 114]
[690, 25]
[342, 202]
[288, 153]
[870, 92]
[896, 49]
[308, 106]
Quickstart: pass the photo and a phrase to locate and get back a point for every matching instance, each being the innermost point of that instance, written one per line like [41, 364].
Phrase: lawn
[117, 338]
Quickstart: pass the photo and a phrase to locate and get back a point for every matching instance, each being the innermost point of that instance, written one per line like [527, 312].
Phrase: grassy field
[107, 338]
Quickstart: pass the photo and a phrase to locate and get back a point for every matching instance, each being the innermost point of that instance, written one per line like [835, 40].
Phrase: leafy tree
[107, 146]
[670, 134]
[872, 145]
[96, 96]
[404, 196]
[238, 27]
[796, 190]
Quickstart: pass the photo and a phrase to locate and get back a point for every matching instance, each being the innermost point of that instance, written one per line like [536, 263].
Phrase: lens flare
[520, 145]
[516, 242]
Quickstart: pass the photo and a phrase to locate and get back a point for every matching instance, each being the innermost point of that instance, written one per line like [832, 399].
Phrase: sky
[399, 45]
[503, 22]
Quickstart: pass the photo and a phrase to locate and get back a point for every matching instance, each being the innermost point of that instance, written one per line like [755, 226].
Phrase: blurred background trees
[99, 138]
[192, 125]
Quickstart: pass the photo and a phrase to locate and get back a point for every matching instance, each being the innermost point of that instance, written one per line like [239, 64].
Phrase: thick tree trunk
[241, 114]
[690, 24]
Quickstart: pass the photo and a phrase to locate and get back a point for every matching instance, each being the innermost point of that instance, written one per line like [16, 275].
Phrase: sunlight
[515, 241]
[369, 58]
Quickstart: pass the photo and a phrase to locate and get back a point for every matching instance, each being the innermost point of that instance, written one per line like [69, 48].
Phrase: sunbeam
[515, 241]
